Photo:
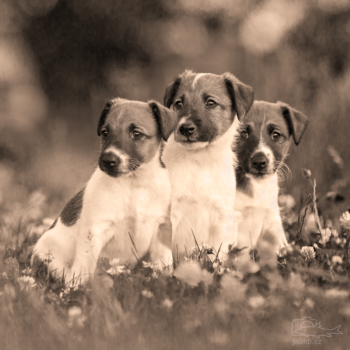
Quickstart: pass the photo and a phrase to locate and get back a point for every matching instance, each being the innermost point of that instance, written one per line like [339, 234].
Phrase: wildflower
[335, 233]
[5, 276]
[336, 259]
[26, 282]
[167, 303]
[27, 271]
[308, 253]
[75, 317]
[219, 338]
[309, 303]
[219, 270]
[147, 294]
[345, 220]
[326, 235]
[256, 301]
[338, 241]
[286, 201]
[191, 273]
[335, 293]
[116, 269]
[150, 265]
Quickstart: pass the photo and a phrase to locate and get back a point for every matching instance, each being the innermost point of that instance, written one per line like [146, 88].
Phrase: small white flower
[26, 282]
[336, 259]
[286, 201]
[167, 303]
[326, 235]
[76, 317]
[345, 220]
[27, 271]
[309, 303]
[74, 311]
[256, 301]
[147, 294]
[335, 293]
[338, 241]
[116, 269]
[150, 265]
[308, 253]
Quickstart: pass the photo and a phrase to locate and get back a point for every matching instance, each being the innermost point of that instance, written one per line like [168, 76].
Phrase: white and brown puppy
[199, 158]
[262, 147]
[127, 195]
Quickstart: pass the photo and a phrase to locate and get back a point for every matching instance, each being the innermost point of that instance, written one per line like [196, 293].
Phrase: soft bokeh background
[60, 60]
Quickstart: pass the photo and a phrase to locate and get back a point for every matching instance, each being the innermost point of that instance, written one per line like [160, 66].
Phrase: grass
[204, 304]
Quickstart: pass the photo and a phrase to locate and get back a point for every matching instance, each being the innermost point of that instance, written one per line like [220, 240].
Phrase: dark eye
[136, 135]
[178, 105]
[244, 134]
[210, 103]
[275, 136]
[104, 133]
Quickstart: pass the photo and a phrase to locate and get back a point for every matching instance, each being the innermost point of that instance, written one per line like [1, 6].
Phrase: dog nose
[187, 129]
[110, 161]
[259, 161]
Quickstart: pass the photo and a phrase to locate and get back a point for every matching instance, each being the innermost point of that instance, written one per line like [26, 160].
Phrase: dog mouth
[114, 173]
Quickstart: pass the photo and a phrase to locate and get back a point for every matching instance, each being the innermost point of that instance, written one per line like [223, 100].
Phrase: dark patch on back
[71, 212]
[54, 224]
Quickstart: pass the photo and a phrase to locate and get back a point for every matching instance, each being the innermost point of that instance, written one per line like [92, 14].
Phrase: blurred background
[60, 60]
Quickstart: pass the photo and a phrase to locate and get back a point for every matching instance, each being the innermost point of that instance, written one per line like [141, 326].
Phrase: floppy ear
[103, 117]
[165, 118]
[170, 92]
[241, 95]
[297, 121]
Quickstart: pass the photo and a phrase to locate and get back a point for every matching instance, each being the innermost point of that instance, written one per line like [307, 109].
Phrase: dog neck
[217, 150]
[259, 191]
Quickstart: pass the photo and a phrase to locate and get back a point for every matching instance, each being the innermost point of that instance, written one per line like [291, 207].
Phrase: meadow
[204, 304]
[61, 60]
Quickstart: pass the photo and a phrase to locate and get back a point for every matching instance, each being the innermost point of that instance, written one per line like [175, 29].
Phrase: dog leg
[56, 250]
[272, 238]
[90, 242]
[160, 248]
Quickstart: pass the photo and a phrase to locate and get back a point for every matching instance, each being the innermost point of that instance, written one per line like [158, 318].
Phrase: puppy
[125, 204]
[262, 146]
[199, 158]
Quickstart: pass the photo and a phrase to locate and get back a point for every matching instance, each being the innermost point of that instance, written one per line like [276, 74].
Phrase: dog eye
[244, 135]
[275, 136]
[104, 134]
[178, 105]
[136, 135]
[210, 103]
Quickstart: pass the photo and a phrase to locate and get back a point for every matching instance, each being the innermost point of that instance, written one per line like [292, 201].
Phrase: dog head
[206, 105]
[265, 136]
[131, 133]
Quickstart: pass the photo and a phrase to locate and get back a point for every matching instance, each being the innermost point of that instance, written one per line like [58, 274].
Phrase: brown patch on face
[263, 125]
[205, 109]
[130, 133]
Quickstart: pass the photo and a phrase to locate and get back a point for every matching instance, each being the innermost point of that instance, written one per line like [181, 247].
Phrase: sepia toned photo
[174, 174]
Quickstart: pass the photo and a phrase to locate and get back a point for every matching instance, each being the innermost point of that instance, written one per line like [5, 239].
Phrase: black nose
[109, 161]
[187, 129]
[259, 161]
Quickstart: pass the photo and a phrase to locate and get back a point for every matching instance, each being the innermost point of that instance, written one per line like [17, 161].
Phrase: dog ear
[170, 92]
[165, 118]
[241, 95]
[297, 121]
[103, 117]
